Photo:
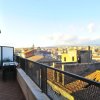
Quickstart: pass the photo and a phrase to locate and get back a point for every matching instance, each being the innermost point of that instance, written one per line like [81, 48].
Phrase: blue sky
[49, 22]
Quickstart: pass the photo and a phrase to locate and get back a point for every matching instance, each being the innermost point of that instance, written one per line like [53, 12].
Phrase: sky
[49, 22]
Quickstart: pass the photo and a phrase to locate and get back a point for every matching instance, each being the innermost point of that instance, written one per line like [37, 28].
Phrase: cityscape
[80, 60]
[50, 50]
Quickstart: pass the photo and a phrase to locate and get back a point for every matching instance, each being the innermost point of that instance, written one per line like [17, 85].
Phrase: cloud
[66, 39]
[75, 35]
[91, 27]
[61, 37]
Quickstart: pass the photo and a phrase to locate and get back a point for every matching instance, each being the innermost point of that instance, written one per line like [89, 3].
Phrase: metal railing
[58, 84]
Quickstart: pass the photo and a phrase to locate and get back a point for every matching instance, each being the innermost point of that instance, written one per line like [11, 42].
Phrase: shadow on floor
[10, 89]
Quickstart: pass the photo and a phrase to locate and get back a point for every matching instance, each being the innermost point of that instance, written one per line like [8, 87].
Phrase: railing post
[63, 75]
[25, 66]
[53, 71]
[23, 63]
[1, 56]
[44, 79]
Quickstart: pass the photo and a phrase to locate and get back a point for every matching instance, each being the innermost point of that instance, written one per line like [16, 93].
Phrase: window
[72, 58]
[64, 58]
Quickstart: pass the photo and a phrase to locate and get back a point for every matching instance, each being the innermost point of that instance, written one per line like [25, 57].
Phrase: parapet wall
[80, 68]
[29, 88]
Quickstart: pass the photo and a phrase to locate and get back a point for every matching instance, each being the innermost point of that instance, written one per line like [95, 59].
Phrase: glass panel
[0, 56]
[33, 70]
[7, 53]
[64, 87]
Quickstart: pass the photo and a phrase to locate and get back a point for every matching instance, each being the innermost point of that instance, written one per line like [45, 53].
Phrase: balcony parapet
[29, 88]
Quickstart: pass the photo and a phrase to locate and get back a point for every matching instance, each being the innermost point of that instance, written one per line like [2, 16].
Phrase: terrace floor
[10, 89]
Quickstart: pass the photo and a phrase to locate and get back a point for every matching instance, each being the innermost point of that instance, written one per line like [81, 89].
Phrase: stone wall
[82, 69]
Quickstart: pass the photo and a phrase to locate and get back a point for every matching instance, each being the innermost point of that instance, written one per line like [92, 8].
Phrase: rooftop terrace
[36, 81]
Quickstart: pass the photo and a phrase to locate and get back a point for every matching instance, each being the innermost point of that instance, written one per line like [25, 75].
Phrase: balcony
[10, 89]
[35, 81]
[62, 85]
[14, 83]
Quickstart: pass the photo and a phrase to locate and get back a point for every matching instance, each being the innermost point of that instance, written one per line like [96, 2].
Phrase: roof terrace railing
[58, 84]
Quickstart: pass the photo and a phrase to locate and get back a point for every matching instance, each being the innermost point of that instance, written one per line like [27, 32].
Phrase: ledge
[29, 88]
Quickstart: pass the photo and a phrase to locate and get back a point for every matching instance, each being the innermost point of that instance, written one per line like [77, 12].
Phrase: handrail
[68, 74]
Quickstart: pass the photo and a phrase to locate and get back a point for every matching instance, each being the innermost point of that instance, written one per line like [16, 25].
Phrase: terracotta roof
[28, 51]
[36, 58]
[95, 56]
